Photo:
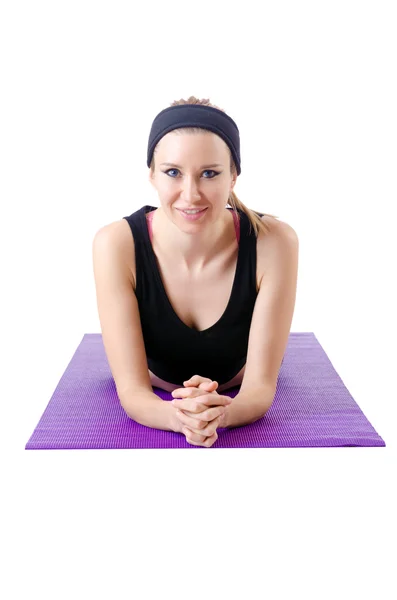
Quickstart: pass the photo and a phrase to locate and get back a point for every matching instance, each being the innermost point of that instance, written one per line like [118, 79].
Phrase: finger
[211, 427]
[197, 403]
[208, 385]
[193, 392]
[200, 420]
[194, 424]
[198, 383]
[209, 441]
[192, 405]
[180, 393]
[196, 380]
[190, 390]
[189, 399]
[192, 437]
[216, 400]
[201, 435]
[207, 430]
[210, 414]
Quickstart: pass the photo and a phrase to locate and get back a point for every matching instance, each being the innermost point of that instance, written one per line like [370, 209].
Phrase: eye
[206, 171]
[167, 172]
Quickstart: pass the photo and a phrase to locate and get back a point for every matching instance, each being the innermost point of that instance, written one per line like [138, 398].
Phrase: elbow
[265, 405]
[263, 409]
[266, 408]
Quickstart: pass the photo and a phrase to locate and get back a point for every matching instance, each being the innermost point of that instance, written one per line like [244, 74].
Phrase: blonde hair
[255, 220]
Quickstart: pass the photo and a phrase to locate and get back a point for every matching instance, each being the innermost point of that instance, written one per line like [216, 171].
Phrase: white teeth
[192, 212]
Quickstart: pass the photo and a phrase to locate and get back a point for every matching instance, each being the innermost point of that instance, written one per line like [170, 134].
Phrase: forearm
[146, 408]
[247, 407]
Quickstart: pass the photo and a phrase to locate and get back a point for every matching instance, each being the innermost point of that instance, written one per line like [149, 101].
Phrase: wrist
[224, 418]
[173, 422]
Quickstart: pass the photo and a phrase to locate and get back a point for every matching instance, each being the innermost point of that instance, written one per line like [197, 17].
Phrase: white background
[312, 87]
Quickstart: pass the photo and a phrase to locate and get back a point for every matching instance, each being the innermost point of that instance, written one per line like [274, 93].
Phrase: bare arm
[122, 333]
[148, 409]
[248, 406]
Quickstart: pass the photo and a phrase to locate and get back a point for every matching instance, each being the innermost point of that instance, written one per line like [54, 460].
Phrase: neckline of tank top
[150, 215]
[233, 292]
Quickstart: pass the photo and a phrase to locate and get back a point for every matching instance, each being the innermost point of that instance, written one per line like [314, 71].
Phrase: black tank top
[174, 351]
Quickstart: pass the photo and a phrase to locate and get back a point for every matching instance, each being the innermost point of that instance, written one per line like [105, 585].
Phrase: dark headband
[196, 115]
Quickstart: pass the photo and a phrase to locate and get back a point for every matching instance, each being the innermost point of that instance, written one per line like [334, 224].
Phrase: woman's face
[192, 171]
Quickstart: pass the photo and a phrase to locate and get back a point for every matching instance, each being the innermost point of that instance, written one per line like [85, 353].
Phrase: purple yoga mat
[311, 408]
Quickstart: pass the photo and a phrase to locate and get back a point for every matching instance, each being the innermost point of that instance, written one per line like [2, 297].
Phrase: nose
[190, 190]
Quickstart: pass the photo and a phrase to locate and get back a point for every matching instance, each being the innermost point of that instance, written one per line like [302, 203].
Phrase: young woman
[194, 288]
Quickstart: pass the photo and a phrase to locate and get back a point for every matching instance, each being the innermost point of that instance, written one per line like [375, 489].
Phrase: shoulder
[277, 247]
[279, 232]
[117, 237]
[118, 233]
[279, 228]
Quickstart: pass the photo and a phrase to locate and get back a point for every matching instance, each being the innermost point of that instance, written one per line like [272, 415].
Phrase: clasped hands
[200, 410]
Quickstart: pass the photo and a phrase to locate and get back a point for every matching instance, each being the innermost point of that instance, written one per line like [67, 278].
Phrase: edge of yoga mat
[84, 411]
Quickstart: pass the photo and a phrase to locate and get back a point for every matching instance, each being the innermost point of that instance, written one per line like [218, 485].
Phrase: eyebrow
[167, 164]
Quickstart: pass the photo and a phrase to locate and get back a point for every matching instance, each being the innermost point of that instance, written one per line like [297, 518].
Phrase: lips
[199, 209]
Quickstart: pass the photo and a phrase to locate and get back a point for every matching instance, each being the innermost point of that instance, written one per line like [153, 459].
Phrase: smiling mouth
[193, 209]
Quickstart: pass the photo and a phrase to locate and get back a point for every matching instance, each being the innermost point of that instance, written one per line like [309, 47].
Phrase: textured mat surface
[312, 408]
